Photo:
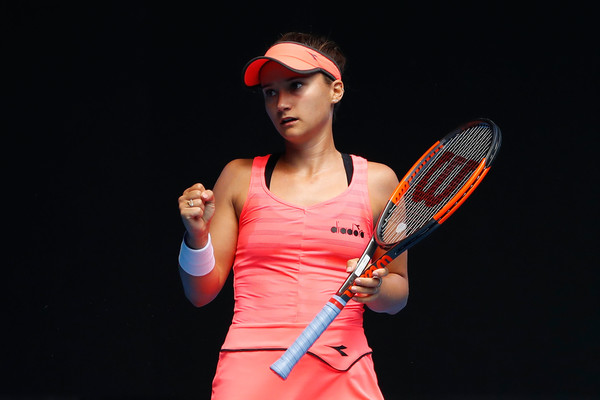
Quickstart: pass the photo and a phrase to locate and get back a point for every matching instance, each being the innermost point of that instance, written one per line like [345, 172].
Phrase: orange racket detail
[461, 196]
[416, 168]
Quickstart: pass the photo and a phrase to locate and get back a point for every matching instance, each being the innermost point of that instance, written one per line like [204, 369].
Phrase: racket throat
[413, 239]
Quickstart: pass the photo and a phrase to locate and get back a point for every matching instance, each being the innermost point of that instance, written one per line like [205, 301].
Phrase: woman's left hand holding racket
[366, 289]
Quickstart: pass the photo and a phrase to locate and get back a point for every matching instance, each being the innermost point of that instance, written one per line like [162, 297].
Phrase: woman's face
[300, 106]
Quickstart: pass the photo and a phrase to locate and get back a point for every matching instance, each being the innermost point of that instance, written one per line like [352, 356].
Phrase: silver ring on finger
[380, 282]
[191, 203]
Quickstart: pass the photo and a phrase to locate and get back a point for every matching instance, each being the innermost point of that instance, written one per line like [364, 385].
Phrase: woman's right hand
[197, 207]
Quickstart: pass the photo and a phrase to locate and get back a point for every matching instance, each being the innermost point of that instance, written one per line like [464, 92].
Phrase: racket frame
[363, 267]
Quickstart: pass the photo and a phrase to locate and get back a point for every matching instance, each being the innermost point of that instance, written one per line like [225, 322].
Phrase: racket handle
[308, 337]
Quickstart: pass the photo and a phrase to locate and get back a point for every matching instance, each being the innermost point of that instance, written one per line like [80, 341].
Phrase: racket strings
[437, 182]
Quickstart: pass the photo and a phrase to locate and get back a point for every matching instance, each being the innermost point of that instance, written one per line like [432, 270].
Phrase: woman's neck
[310, 159]
[309, 176]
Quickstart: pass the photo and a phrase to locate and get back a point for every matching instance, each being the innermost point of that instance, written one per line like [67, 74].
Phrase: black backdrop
[112, 109]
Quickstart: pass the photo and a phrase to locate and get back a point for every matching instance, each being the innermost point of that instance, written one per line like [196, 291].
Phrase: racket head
[438, 184]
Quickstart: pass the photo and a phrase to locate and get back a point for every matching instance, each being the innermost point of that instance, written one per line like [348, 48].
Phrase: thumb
[209, 211]
[209, 205]
[351, 265]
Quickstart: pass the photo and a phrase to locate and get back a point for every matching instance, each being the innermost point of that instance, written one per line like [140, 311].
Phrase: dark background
[112, 109]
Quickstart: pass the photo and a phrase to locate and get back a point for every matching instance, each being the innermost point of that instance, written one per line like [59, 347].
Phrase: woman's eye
[296, 85]
[269, 93]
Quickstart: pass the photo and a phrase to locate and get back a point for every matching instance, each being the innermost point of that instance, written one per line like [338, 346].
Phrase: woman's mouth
[287, 121]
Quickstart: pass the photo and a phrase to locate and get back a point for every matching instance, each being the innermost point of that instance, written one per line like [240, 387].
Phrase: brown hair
[322, 44]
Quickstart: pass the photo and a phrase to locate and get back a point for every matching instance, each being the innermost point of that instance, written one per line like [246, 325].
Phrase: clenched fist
[197, 207]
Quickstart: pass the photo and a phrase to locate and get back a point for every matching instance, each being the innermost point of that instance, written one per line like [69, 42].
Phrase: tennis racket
[433, 189]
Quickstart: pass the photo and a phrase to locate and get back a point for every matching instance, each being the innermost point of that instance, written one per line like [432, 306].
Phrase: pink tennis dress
[289, 261]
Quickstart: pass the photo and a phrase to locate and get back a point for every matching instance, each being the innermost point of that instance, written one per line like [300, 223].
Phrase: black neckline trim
[273, 158]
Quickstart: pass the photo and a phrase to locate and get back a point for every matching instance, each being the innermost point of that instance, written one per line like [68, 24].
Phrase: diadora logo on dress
[340, 349]
[349, 230]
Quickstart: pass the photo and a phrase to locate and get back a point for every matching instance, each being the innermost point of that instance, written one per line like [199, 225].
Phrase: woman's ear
[337, 91]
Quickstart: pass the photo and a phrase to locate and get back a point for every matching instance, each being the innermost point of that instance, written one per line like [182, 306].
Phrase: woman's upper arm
[230, 194]
[382, 183]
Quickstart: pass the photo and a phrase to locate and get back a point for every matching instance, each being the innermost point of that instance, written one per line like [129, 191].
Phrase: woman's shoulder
[238, 165]
[382, 175]
[233, 182]
[382, 182]
[236, 171]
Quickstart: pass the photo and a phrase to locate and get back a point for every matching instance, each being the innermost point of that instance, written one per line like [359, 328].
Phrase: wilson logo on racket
[434, 193]
[381, 263]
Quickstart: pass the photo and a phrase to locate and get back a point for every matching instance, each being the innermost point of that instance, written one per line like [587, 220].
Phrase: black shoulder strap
[270, 167]
[348, 166]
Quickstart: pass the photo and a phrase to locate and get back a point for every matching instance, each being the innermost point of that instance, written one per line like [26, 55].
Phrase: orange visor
[294, 56]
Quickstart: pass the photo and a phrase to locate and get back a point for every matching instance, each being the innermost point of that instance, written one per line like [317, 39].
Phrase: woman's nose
[283, 102]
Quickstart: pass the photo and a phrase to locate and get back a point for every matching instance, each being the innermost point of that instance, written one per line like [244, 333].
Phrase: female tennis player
[292, 225]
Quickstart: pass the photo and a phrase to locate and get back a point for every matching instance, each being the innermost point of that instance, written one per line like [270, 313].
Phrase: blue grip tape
[307, 338]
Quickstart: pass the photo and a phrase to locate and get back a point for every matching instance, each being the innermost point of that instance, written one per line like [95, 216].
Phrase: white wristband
[197, 262]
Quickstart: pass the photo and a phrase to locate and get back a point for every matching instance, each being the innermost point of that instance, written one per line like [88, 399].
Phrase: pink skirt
[246, 375]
